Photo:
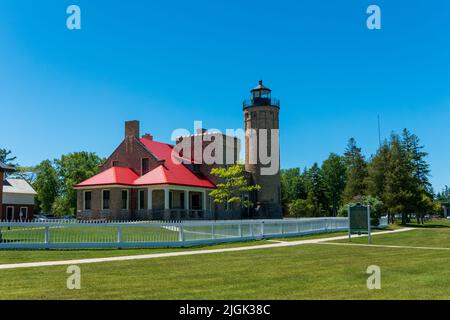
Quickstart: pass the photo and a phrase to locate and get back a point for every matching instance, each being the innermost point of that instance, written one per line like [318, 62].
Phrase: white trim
[26, 212]
[166, 199]
[84, 200]
[153, 187]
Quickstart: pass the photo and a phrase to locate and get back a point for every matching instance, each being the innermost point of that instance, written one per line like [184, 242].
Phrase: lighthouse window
[262, 115]
[253, 119]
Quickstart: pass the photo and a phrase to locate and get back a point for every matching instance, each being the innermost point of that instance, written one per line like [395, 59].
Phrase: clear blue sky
[168, 63]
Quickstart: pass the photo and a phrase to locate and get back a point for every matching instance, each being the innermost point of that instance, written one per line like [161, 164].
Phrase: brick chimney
[132, 129]
[148, 136]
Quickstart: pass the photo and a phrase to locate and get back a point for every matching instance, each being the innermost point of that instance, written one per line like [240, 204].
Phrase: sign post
[359, 221]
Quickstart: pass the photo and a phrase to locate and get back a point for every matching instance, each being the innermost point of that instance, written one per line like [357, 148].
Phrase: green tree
[7, 158]
[356, 171]
[400, 184]
[317, 190]
[376, 168]
[234, 186]
[301, 208]
[72, 169]
[292, 186]
[334, 174]
[46, 185]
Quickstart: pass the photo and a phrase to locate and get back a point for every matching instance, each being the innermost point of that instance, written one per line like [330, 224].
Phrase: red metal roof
[112, 176]
[170, 172]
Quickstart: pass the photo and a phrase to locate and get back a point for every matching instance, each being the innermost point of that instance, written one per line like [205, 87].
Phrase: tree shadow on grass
[426, 226]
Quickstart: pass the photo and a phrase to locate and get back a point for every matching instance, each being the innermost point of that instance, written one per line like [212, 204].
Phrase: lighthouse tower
[262, 112]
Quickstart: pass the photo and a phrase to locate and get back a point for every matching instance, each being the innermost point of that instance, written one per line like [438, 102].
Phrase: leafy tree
[46, 185]
[334, 177]
[235, 184]
[72, 169]
[292, 186]
[59, 207]
[356, 171]
[301, 208]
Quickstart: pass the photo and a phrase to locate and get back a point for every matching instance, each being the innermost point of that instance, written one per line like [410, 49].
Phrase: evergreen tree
[376, 169]
[356, 172]
[317, 190]
[334, 176]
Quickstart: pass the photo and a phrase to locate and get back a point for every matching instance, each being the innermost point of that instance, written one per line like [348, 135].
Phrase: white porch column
[150, 199]
[166, 199]
[204, 200]
[186, 200]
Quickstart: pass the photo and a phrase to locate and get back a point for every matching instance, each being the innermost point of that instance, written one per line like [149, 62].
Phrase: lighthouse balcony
[260, 101]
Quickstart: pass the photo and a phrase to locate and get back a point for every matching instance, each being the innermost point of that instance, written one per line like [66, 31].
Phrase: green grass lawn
[21, 256]
[298, 272]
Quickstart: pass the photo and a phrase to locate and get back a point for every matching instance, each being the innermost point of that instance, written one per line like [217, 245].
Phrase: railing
[66, 234]
[261, 102]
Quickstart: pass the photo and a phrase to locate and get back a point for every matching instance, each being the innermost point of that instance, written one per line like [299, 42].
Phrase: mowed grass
[22, 256]
[435, 234]
[313, 271]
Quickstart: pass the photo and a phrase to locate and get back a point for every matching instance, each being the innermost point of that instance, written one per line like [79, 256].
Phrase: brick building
[142, 179]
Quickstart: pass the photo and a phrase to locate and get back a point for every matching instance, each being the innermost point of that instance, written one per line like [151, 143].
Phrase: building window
[170, 200]
[253, 119]
[141, 200]
[23, 212]
[145, 165]
[115, 163]
[9, 213]
[262, 115]
[196, 201]
[182, 204]
[105, 199]
[124, 199]
[87, 200]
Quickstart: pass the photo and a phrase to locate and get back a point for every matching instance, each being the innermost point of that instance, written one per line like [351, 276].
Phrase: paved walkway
[183, 253]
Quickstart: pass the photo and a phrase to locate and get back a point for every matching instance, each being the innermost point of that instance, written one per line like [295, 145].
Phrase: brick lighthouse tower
[262, 112]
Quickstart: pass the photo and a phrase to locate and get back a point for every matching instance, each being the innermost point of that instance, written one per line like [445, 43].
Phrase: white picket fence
[72, 234]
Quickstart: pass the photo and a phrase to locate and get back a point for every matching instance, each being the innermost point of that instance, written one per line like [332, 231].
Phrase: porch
[172, 203]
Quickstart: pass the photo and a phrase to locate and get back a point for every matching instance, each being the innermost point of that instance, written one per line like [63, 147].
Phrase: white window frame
[26, 212]
[128, 199]
[84, 200]
[103, 208]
